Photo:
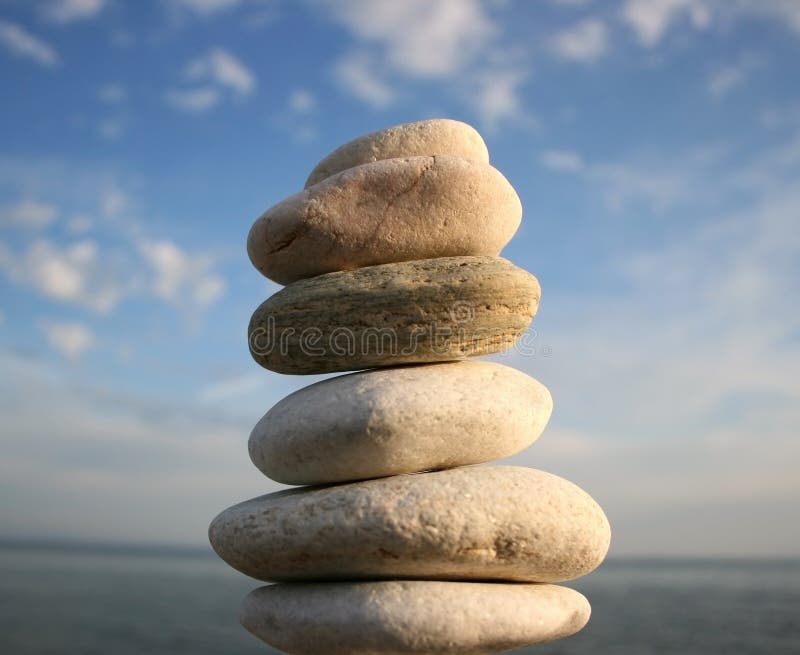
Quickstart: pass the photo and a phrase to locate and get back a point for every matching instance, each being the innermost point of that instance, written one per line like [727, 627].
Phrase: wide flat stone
[471, 523]
[414, 312]
[403, 617]
[388, 211]
[400, 420]
[437, 136]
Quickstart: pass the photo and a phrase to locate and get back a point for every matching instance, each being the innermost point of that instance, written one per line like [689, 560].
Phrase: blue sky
[655, 145]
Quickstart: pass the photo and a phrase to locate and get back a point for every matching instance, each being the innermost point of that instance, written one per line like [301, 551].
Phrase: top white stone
[438, 136]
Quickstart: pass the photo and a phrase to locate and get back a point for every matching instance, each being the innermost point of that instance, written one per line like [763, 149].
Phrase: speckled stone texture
[471, 523]
[424, 311]
[400, 420]
[388, 211]
[437, 136]
[404, 617]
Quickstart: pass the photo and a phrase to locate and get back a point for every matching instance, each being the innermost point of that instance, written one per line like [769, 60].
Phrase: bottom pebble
[401, 617]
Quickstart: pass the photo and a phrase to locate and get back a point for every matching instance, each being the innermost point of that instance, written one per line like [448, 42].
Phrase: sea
[92, 600]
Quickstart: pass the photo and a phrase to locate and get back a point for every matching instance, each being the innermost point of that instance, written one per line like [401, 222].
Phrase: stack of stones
[390, 257]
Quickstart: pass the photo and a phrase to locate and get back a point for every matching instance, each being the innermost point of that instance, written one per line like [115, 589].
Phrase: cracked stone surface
[405, 617]
[437, 136]
[425, 311]
[471, 523]
[392, 210]
[400, 420]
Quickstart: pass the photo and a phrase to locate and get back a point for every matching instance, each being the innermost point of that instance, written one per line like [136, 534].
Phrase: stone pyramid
[398, 543]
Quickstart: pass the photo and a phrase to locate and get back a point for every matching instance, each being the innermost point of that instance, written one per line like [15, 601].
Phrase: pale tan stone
[437, 136]
[388, 211]
[415, 312]
[411, 617]
[400, 420]
[470, 523]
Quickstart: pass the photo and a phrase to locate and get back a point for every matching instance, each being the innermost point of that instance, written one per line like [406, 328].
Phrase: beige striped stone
[415, 312]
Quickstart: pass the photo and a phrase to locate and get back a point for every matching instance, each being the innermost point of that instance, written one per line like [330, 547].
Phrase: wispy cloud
[181, 278]
[356, 72]
[72, 340]
[134, 449]
[122, 259]
[232, 387]
[29, 214]
[655, 183]
[217, 72]
[456, 42]
[700, 349]
[563, 161]
[417, 37]
[193, 100]
[584, 42]
[734, 75]
[112, 93]
[222, 68]
[302, 101]
[650, 19]
[785, 12]
[68, 11]
[21, 43]
[76, 273]
[497, 98]
[208, 7]
[111, 129]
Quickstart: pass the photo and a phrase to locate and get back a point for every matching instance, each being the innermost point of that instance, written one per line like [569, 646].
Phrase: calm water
[132, 603]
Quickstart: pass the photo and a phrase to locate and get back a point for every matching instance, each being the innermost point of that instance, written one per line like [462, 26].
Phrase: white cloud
[115, 201]
[135, 449]
[733, 75]
[650, 19]
[356, 72]
[654, 183]
[780, 116]
[72, 340]
[497, 97]
[79, 224]
[68, 11]
[562, 161]
[234, 387]
[624, 185]
[222, 68]
[111, 129]
[21, 43]
[217, 71]
[193, 100]
[208, 7]
[454, 42]
[694, 350]
[122, 39]
[586, 41]
[302, 101]
[30, 214]
[112, 93]
[785, 12]
[418, 37]
[73, 273]
[181, 278]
